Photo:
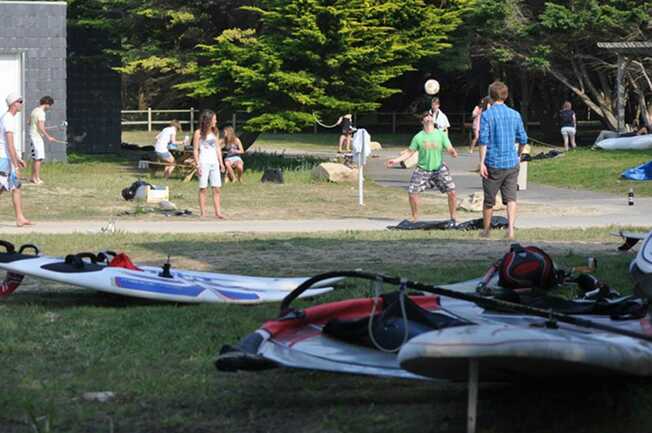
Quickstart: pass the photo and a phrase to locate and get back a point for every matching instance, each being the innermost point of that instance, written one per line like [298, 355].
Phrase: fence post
[149, 119]
[393, 122]
[192, 119]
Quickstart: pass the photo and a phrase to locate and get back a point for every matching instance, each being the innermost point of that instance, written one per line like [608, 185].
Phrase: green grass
[595, 170]
[89, 187]
[59, 342]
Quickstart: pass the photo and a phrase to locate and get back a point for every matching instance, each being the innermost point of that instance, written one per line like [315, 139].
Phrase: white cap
[12, 97]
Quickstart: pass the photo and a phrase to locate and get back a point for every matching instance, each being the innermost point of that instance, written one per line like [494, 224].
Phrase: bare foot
[510, 236]
[202, 215]
[24, 222]
[219, 216]
[484, 234]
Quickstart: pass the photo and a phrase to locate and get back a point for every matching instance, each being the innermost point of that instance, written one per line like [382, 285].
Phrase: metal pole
[361, 162]
[620, 94]
[192, 119]
[472, 411]
[234, 121]
[149, 119]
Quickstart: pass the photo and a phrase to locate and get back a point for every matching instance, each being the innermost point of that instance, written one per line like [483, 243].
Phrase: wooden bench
[186, 170]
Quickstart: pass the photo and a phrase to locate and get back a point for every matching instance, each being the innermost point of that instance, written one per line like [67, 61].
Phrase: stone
[101, 397]
[473, 202]
[334, 172]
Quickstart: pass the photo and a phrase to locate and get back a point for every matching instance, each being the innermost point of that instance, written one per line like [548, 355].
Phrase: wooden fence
[377, 121]
[393, 121]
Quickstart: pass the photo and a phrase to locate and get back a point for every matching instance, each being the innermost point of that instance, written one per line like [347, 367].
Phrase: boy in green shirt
[431, 171]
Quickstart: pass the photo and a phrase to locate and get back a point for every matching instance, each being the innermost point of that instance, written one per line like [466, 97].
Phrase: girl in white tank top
[208, 158]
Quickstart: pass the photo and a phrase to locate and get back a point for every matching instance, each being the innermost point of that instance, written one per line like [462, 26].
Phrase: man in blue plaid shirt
[500, 129]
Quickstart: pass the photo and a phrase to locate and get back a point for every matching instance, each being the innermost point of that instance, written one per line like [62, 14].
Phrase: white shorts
[568, 131]
[233, 159]
[210, 174]
[38, 148]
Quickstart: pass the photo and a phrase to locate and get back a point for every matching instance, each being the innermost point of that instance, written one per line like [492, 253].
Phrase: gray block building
[33, 64]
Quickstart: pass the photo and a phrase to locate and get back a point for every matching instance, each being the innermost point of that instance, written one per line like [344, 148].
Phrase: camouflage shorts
[424, 179]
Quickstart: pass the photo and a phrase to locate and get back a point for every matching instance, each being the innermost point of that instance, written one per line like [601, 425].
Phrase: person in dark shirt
[568, 123]
[346, 122]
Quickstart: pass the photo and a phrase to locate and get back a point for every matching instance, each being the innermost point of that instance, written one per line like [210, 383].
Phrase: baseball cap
[12, 97]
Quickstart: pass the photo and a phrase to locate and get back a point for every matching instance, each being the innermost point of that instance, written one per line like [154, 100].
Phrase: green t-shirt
[431, 146]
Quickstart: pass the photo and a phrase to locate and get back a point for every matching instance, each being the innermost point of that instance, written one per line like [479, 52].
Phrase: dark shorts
[503, 179]
[424, 179]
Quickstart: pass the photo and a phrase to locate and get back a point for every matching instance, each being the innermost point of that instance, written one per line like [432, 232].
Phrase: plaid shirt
[500, 128]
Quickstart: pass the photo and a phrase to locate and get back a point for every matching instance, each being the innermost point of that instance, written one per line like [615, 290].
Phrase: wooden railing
[391, 121]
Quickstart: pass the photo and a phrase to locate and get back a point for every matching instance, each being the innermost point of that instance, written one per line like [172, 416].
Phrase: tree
[559, 39]
[155, 40]
[324, 56]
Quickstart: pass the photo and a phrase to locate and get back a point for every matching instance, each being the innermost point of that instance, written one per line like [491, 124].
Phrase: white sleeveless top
[207, 149]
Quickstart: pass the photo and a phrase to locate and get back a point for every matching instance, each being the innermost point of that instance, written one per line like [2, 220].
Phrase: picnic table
[183, 163]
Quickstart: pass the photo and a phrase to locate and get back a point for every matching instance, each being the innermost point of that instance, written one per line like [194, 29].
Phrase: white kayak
[637, 142]
[180, 286]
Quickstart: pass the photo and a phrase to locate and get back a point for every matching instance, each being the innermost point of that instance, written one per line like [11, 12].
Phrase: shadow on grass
[73, 298]
[259, 161]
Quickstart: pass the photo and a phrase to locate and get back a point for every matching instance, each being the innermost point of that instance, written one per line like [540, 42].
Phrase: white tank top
[207, 149]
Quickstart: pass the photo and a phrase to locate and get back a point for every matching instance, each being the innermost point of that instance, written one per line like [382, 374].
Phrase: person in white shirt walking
[37, 132]
[10, 162]
[208, 159]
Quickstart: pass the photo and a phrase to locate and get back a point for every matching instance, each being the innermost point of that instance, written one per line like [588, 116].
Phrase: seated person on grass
[431, 171]
[164, 138]
[233, 148]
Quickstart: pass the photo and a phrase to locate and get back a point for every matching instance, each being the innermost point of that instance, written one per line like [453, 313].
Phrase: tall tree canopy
[155, 40]
[324, 56]
[558, 38]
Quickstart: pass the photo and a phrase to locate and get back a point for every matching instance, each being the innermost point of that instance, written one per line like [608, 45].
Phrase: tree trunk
[525, 96]
[248, 139]
[600, 107]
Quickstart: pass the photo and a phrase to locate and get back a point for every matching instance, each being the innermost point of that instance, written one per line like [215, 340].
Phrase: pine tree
[325, 56]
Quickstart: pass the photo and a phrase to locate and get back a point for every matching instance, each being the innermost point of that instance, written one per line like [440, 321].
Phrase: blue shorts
[8, 179]
[164, 155]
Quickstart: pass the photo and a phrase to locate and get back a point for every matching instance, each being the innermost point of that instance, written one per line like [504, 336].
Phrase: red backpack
[526, 268]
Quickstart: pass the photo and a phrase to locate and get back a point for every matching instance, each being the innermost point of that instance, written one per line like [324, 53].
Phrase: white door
[11, 77]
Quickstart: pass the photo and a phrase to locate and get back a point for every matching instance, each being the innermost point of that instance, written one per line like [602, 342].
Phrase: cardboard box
[156, 194]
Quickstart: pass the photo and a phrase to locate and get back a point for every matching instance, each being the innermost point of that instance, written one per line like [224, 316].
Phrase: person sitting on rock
[233, 148]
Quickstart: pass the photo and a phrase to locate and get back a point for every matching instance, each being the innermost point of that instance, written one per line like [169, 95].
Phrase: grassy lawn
[90, 186]
[59, 342]
[582, 169]
[596, 170]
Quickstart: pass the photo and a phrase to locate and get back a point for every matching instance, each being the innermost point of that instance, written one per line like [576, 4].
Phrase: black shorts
[503, 179]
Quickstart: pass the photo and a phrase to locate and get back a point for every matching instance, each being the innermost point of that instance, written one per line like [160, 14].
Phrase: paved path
[601, 209]
[201, 226]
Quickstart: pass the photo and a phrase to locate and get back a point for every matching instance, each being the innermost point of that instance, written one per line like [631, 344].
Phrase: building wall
[38, 29]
